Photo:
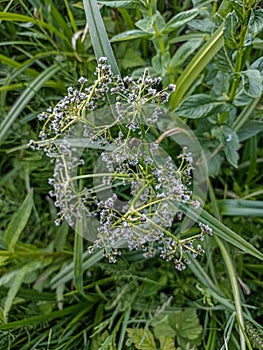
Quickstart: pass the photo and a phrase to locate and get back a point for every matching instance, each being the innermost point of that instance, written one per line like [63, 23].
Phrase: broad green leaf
[24, 98]
[230, 30]
[162, 327]
[250, 129]
[131, 4]
[166, 343]
[141, 338]
[255, 25]
[99, 37]
[130, 35]
[252, 82]
[18, 222]
[186, 324]
[258, 65]
[229, 139]
[239, 207]
[179, 20]
[200, 106]
[146, 24]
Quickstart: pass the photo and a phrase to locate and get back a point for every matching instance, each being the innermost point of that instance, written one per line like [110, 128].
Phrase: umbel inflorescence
[132, 195]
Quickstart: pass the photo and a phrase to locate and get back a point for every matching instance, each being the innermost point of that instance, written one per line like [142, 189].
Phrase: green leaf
[131, 4]
[230, 30]
[229, 139]
[162, 327]
[186, 324]
[78, 258]
[250, 129]
[14, 288]
[130, 35]
[183, 52]
[222, 231]
[252, 82]
[18, 222]
[239, 207]
[99, 37]
[132, 59]
[146, 24]
[255, 25]
[24, 98]
[196, 65]
[141, 338]
[200, 106]
[166, 343]
[179, 20]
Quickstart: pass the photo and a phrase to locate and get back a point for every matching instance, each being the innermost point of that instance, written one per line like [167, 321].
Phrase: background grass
[54, 295]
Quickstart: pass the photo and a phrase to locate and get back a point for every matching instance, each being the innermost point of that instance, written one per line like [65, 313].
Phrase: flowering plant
[137, 188]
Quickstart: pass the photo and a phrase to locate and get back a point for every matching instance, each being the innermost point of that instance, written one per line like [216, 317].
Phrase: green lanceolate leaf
[18, 222]
[196, 65]
[230, 30]
[200, 106]
[131, 4]
[99, 38]
[179, 20]
[130, 35]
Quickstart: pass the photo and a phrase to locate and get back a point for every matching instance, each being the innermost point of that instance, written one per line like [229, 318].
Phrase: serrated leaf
[230, 30]
[162, 328]
[18, 222]
[186, 324]
[142, 339]
[252, 82]
[179, 20]
[255, 25]
[167, 343]
[131, 4]
[200, 106]
[129, 35]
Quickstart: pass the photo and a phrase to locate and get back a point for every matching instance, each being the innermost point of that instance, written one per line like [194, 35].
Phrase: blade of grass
[240, 207]
[196, 65]
[45, 317]
[99, 37]
[222, 231]
[78, 260]
[231, 274]
[25, 97]
[18, 222]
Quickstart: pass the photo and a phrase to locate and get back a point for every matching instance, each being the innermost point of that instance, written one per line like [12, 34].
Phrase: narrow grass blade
[13, 290]
[25, 97]
[196, 65]
[99, 37]
[239, 207]
[45, 317]
[78, 261]
[18, 222]
[222, 231]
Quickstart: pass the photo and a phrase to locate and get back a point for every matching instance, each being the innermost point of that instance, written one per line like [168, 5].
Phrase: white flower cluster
[134, 193]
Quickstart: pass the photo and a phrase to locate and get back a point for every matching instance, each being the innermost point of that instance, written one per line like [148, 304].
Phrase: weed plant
[133, 186]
